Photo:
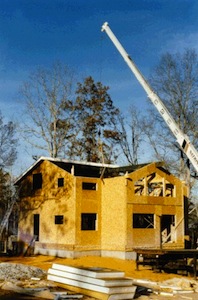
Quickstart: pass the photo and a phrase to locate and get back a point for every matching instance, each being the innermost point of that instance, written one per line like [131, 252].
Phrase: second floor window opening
[37, 181]
[60, 182]
[91, 186]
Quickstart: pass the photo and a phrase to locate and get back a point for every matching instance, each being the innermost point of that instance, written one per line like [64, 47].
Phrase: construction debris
[172, 287]
[31, 281]
[65, 295]
[36, 292]
[19, 271]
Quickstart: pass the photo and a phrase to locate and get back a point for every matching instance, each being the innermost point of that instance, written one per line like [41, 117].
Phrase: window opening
[37, 181]
[155, 189]
[36, 224]
[139, 186]
[89, 186]
[169, 190]
[59, 219]
[154, 185]
[88, 221]
[60, 182]
[143, 221]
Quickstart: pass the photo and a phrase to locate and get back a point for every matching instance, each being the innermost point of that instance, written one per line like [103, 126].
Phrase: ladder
[30, 246]
[5, 219]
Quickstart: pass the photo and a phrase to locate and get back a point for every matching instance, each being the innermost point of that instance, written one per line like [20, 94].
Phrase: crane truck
[182, 139]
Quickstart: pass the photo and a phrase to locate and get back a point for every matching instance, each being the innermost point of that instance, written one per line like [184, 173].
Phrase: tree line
[79, 120]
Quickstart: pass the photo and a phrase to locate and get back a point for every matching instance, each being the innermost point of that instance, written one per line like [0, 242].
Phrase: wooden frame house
[73, 208]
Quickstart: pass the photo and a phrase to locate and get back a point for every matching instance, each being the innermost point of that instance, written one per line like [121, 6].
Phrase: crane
[182, 139]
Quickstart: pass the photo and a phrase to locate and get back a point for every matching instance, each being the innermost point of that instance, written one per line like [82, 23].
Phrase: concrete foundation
[76, 254]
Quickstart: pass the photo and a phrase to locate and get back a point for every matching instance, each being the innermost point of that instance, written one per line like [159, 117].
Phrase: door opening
[167, 228]
[36, 226]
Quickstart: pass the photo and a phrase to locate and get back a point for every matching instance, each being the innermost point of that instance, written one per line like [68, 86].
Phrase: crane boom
[181, 138]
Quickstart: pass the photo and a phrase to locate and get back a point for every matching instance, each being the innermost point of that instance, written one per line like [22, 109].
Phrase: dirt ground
[128, 266]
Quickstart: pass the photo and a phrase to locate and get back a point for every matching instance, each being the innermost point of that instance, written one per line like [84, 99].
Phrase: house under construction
[72, 209]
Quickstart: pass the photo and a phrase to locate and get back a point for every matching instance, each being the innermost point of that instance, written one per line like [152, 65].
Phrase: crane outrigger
[181, 138]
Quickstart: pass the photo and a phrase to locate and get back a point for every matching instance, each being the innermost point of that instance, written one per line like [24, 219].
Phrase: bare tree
[5, 191]
[49, 109]
[175, 79]
[8, 143]
[131, 135]
[8, 155]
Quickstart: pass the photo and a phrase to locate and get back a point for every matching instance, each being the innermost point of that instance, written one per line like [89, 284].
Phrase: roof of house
[84, 169]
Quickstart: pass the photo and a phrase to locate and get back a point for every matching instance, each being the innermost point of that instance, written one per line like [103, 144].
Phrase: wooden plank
[90, 271]
[89, 293]
[108, 282]
[84, 285]
[121, 296]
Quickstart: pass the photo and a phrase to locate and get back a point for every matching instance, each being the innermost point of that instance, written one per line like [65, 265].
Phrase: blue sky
[39, 32]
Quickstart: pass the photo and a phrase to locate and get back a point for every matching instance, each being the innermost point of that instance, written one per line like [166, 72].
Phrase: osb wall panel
[48, 202]
[114, 214]
[142, 237]
[179, 223]
[88, 201]
[146, 238]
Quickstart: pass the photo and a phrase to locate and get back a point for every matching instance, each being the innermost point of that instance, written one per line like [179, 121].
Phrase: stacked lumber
[101, 282]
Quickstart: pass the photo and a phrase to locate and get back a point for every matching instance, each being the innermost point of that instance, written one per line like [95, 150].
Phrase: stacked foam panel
[107, 283]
